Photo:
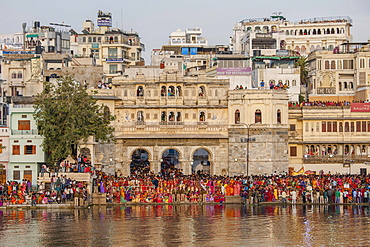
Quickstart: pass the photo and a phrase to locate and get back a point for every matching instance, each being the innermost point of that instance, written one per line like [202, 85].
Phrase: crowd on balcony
[324, 103]
[61, 190]
[177, 188]
[104, 85]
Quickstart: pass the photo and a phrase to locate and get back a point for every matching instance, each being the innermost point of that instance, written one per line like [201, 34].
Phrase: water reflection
[190, 225]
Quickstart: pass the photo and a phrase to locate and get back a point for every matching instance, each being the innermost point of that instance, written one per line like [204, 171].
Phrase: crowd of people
[60, 190]
[177, 188]
[324, 103]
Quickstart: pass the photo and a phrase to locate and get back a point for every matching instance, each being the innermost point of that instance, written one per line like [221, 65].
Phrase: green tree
[67, 115]
[303, 65]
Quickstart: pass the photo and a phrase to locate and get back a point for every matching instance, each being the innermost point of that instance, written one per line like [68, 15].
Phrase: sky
[155, 20]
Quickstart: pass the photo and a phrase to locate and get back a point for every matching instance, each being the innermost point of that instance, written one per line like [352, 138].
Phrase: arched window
[297, 49]
[287, 83]
[84, 39]
[339, 64]
[202, 91]
[312, 48]
[346, 127]
[140, 116]
[94, 39]
[163, 91]
[90, 39]
[318, 31]
[171, 117]
[125, 93]
[340, 86]
[327, 65]
[340, 127]
[140, 91]
[163, 116]
[19, 75]
[330, 47]
[278, 116]
[287, 32]
[332, 31]
[183, 40]
[237, 116]
[300, 32]
[115, 39]
[173, 41]
[258, 116]
[345, 84]
[327, 31]
[303, 49]
[202, 117]
[294, 83]
[314, 32]
[338, 32]
[352, 127]
[171, 91]
[178, 117]
[332, 65]
[346, 149]
[350, 85]
[291, 32]
[178, 91]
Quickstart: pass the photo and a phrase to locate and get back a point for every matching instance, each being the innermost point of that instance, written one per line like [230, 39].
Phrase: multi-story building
[194, 123]
[112, 48]
[330, 138]
[340, 75]
[257, 36]
[25, 152]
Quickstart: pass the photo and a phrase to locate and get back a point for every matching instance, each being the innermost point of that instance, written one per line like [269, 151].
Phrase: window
[24, 125]
[352, 127]
[329, 127]
[293, 151]
[358, 126]
[84, 39]
[19, 75]
[30, 149]
[237, 116]
[323, 126]
[346, 127]
[363, 126]
[340, 127]
[278, 116]
[16, 149]
[202, 117]
[140, 116]
[258, 116]
[112, 52]
[292, 127]
[112, 68]
[362, 63]
[16, 175]
[335, 127]
[140, 91]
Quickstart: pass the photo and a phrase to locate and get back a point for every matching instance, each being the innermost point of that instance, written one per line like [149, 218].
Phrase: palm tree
[303, 65]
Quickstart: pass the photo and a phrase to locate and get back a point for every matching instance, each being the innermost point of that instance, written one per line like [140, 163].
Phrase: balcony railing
[332, 158]
[25, 132]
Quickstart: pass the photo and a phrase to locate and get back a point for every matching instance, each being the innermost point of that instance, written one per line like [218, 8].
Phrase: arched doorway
[170, 162]
[201, 162]
[139, 162]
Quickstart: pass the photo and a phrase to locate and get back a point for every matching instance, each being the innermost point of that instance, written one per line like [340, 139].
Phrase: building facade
[194, 123]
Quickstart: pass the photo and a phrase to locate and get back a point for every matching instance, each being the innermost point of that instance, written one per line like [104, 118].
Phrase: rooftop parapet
[326, 20]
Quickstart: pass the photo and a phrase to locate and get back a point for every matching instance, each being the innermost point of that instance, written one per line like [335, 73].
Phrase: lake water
[188, 225]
